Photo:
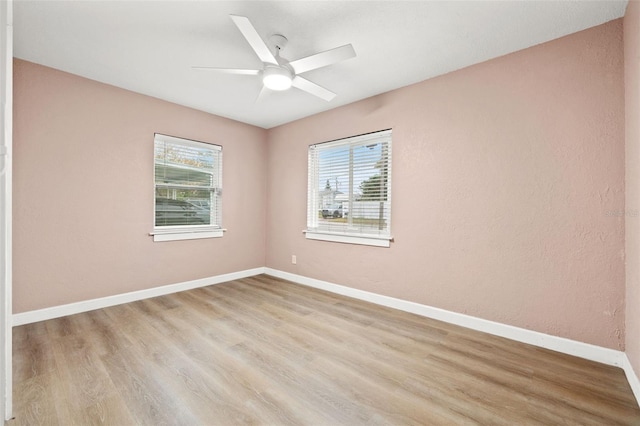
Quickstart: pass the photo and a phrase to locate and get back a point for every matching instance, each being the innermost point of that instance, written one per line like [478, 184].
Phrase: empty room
[320, 212]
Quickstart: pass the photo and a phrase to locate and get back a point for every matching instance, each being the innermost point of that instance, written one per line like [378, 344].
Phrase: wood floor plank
[241, 380]
[262, 350]
[84, 380]
[109, 411]
[147, 398]
[34, 401]
[37, 358]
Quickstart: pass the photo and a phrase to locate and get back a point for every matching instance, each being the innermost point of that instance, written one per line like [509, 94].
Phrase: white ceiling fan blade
[228, 70]
[256, 43]
[264, 92]
[323, 59]
[314, 89]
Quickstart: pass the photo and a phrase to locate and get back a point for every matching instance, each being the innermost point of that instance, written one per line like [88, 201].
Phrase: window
[188, 189]
[349, 190]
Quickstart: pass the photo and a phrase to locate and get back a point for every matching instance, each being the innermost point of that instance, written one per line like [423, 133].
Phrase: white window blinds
[349, 187]
[188, 184]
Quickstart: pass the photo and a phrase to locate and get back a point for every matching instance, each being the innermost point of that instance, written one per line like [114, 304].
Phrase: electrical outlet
[293, 259]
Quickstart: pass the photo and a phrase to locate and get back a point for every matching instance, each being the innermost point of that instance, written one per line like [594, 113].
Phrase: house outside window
[188, 189]
[349, 190]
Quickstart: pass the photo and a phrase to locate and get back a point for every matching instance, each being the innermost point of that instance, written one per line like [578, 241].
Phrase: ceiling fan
[278, 73]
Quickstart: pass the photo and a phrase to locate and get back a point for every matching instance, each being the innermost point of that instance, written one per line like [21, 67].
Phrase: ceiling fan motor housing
[277, 77]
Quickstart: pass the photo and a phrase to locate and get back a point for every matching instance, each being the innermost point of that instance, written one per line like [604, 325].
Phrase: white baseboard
[559, 344]
[104, 302]
[632, 378]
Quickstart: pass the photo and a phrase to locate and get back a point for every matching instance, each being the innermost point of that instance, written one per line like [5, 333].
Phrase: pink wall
[508, 183]
[83, 191]
[632, 178]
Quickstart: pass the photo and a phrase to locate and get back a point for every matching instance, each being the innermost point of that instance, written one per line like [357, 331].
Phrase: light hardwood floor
[266, 351]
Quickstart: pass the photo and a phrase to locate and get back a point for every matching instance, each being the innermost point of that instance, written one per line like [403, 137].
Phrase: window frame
[189, 232]
[314, 231]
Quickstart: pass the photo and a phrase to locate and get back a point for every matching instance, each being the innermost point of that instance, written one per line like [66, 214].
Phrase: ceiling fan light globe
[277, 78]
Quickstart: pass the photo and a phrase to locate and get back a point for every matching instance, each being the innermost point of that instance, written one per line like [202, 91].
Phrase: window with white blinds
[349, 190]
[188, 189]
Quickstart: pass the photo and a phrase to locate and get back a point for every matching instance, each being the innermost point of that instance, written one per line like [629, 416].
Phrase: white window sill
[375, 241]
[182, 234]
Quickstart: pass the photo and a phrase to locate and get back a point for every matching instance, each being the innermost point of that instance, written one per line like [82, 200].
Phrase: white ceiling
[150, 46]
